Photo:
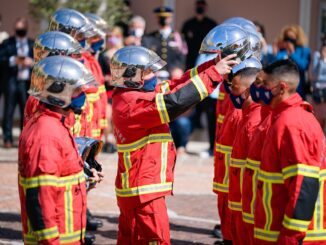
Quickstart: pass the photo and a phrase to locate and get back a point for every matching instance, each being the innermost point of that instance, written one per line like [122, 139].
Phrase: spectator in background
[3, 36]
[17, 58]
[319, 84]
[291, 45]
[136, 31]
[167, 43]
[267, 49]
[195, 29]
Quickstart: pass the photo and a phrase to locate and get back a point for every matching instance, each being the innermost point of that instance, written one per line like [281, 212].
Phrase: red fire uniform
[147, 153]
[222, 105]
[51, 182]
[30, 108]
[289, 175]
[251, 117]
[249, 187]
[221, 165]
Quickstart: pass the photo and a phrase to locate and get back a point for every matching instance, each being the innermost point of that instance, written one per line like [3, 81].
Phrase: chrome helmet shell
[251, 62]
[55, 43]
[129, 66]
[56, 79]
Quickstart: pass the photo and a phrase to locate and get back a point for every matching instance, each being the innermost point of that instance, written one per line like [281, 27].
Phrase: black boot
[92, 223]
[89, 238]
[217, 231]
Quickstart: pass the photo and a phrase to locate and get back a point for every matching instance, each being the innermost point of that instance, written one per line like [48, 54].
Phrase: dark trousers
[181, 129]
[15, 93]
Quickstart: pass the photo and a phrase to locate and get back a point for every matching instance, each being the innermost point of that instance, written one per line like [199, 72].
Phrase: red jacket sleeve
[153, 109]
[41, 193]
[301, 159]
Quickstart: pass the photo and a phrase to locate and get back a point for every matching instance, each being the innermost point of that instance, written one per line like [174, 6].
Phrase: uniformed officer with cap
[166, 42]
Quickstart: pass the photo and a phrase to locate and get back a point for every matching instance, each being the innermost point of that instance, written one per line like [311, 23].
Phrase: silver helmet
[130, 64]
[56, 79]
[254, 38]
[226, 39]
[55, 43]
[100, 24]
[251, 62]
[73, 23]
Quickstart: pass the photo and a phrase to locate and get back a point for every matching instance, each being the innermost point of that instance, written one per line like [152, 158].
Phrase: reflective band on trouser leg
[152, 138]
[199, 84]
[295, 224]
[64, 238]
[301, 169]
[69, 218]
[161, 108]
[164, 161]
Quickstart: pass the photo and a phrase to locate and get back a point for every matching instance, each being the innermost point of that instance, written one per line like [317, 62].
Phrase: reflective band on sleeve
[272, 177]
[266, 235]
[220, 187]
[164, 161]
[161, 108]
[235, 206]
[93, 97]
[166, 137]
[223, 148]
[301, 169]
[248, 218]
[295, 224]
[145, 189]
[101, 89]
[51, 180]
[47, 234]
[237, 163]
[199, 84]
[221, 95]
[220, 118]
[315, 235]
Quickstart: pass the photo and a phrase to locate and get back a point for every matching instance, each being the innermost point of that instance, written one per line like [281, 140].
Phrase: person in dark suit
[17, 59]
[167, 43]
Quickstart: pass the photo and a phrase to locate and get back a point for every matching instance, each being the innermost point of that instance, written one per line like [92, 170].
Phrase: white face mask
[139, 32]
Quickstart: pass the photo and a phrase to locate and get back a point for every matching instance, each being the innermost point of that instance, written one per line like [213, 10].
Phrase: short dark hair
[282, 67]
[248, 72]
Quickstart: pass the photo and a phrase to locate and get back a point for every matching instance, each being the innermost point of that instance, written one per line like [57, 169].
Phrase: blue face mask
[82, 43]
[266, 95]
[255, 92]
[149, 85]
[96, 46]
[77, 103]
[237, 100]
[227, 87]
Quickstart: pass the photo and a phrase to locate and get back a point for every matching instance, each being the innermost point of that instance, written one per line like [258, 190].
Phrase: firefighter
[291, 165]
[51, 44]
[242, 77]
[51, 179]
[145, 147]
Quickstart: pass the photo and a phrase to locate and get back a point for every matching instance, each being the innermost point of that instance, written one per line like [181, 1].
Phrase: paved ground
[192, 209]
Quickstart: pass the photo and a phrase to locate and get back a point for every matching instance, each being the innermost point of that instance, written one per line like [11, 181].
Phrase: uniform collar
[62, 118]
[252, 106]
[293, 100]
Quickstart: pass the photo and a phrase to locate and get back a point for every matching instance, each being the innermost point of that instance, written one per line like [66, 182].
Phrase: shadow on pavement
[10, 227]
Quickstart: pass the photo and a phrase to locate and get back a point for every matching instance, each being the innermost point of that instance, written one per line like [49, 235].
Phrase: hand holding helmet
[224, 66]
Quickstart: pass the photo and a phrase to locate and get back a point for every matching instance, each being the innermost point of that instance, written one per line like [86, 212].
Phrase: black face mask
[291, 40]
[162, 21]
[200, 10]
[21, 32]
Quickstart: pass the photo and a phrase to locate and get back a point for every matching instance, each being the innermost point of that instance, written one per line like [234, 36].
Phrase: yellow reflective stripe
[266, 235]
[301, 169]
[90, 112]
[153, 243]
[104, 123]
[72, 236]
[51, 180]
[221, 95]
[227, 160]
[69, 222]
[237, 163]
[236, 206]
[254, 190]
[322, 176]
[161, 108]
[96, 132]
[125, 175]
[252, 164]
[164, 161]
[153, 138]
[29, 239]
[248, 218]
[223, 148]
[145, 189]
[220, 187]
[165, 87]
[220, 118]
[295, 224]
[199, 84]
[47, 234]
[271, 177]
[267, 197]
[93, 97]
[101, 89]
[315, 235]
[77, 125]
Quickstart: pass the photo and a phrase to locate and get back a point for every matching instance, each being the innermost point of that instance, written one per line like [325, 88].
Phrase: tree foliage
[112, 11]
